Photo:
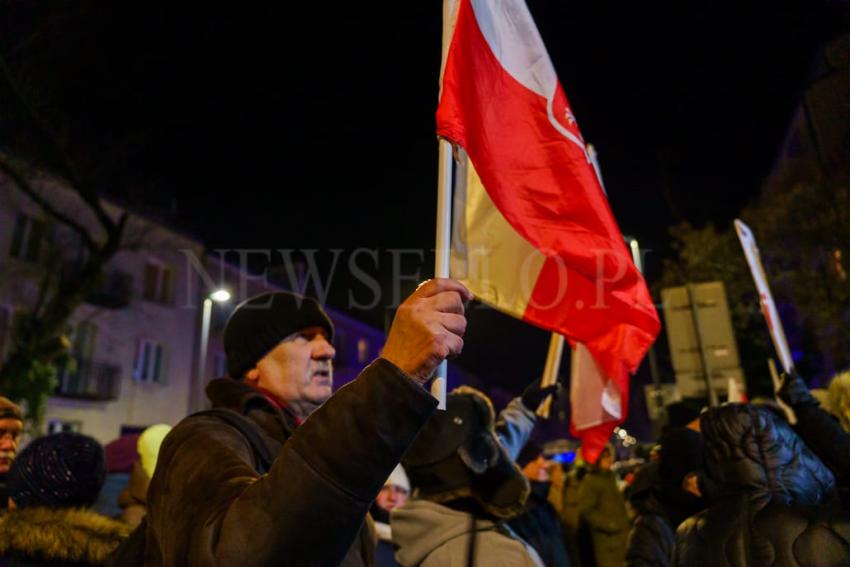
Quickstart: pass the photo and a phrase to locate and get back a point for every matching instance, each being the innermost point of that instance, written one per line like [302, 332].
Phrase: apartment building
[137, 340]
[133, 338]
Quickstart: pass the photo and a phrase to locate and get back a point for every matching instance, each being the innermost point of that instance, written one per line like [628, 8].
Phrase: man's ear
[253, 375]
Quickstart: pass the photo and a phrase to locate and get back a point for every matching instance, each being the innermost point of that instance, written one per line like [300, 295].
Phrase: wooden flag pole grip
[550, 371]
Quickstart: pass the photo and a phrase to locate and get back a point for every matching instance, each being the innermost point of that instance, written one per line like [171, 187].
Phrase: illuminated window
[149, 365]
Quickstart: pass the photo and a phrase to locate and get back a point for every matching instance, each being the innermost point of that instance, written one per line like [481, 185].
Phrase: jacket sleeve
[824, 435]
[207, 505]
[514, 426]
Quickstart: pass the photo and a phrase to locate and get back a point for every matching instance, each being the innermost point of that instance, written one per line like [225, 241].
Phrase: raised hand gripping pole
[550, 371]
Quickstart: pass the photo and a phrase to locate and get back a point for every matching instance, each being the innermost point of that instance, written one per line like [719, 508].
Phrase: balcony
[90, 380]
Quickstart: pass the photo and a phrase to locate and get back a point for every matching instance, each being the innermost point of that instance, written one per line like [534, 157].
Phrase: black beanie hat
[681, 454]
[258, 324]
[63, 470]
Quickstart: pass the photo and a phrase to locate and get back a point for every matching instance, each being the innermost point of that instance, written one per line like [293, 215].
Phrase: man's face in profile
[10, 433]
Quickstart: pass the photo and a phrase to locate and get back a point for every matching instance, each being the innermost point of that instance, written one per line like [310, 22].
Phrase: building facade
[137, 340]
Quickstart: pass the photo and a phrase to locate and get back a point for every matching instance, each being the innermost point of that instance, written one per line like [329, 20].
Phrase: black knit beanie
[63, 470]
[681, 454]
[258, 324]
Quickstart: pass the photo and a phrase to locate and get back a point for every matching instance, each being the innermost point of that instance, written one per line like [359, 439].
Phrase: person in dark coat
[777, 503]
[821, 431]
[52, 484]
[602, 510]
[540, 525]
[663, 495]
[207, 503]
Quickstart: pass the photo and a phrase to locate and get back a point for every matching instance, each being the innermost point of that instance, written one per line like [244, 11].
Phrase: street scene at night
[478, 283]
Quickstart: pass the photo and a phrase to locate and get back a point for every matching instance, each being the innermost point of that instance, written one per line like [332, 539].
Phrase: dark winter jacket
[208, 506]
[541, 527]
[652, 538]
[776, 504]
[49, 537]
[821, 431]
[602, 508]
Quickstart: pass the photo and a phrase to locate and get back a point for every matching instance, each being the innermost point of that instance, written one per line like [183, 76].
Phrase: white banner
[768, 308]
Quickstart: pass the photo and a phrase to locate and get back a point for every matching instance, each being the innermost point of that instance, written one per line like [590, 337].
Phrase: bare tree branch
[28, 190]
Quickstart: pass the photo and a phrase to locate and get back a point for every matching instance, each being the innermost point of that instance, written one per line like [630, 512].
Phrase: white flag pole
[768, 308]
[550, 371]
[442, 252]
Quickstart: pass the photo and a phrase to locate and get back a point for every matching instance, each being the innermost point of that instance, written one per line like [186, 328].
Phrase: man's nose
[322, 349]
[7, 443]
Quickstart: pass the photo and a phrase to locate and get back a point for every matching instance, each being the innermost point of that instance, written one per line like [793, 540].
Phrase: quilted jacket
[778, 504]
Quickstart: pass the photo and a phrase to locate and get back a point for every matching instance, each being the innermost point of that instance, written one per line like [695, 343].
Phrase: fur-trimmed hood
[63, 536]
[458, 455]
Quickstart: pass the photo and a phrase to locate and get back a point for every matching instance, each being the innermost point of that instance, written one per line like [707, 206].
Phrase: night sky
[311, 125]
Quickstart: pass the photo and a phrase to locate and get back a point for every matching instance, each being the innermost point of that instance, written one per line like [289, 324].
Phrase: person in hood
[776, 505]
[540, 525]
[665, 493]
[466, 486]
[602, 509]
[395, 493]
[52, 484]
[216, 500]
[11, 426]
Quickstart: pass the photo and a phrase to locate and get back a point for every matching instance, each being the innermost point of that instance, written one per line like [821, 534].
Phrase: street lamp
[219, 296]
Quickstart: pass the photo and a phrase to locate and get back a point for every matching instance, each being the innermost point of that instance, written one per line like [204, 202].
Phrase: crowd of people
[281, 472]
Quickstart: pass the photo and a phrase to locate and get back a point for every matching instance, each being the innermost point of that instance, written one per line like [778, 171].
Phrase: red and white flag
[533, 233]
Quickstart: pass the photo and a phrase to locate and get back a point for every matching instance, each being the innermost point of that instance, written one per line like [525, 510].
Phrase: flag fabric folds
[534, 235]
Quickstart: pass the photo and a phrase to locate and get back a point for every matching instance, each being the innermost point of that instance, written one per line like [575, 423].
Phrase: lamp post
[219, 296]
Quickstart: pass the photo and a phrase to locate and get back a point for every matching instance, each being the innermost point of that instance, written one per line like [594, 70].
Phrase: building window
[27, 238]
[159, 281]
[219, 365]
[150, 362]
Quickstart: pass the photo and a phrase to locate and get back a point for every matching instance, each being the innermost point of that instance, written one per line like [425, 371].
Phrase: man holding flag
[534, 235]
